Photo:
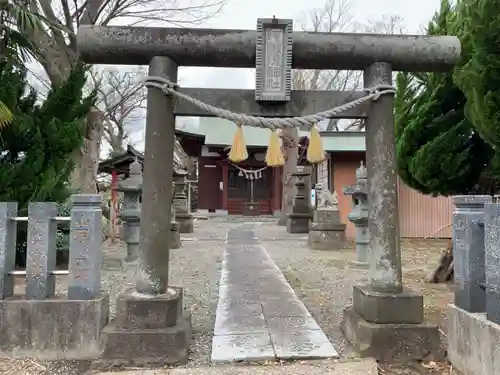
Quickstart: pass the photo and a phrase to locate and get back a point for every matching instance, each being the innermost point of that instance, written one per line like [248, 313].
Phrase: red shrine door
[247, 185]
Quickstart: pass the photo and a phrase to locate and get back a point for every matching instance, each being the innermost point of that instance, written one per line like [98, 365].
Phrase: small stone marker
[492, 261]
[468, 251]
[8, 228]
[41, 250]
[85, 257]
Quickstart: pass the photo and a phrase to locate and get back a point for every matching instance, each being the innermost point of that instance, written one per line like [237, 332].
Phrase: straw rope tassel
[238, 152]
[315, 152]
[274, 156]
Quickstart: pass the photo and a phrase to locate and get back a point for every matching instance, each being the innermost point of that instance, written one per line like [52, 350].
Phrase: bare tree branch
[58, 51]
[389, 24]
[333, 16]
[336, 16]
[121, 100]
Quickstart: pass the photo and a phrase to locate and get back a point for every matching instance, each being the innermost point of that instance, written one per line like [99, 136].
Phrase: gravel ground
[323, 280]
[196, 267]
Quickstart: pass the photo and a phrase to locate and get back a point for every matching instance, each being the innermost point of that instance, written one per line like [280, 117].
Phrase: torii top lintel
[236, 48]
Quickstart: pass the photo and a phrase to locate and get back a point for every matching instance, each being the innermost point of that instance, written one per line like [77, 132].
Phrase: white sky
[243, 14]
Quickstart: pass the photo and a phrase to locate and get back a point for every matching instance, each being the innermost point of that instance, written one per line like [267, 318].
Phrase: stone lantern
[175, 238]
[298, 220]
[359, 214]
[181, 203]
[130, 214]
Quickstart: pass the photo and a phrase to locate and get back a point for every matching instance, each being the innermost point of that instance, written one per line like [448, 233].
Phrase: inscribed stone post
[468, 251]
[383, 221]
[41, 250]
[85, 255]
[152, 271]
[492, 260]
[8, 229]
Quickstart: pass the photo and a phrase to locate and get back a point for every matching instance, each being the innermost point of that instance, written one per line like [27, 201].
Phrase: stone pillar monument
[175, 234]
[386, 321]
[298, 220]
[326, 231]
[152, 313]
[130, 214]
[492, 262]
[181, 203]
[359, 214]
[468, 251]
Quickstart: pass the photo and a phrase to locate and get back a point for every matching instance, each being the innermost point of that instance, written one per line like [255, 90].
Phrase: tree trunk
[291, 151]
[444, 270]
[86, 159]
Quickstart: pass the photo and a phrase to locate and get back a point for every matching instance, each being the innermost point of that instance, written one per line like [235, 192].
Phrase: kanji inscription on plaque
[273, 60]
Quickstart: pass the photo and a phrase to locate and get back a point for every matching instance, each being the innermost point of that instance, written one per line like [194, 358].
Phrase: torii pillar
[386, 320]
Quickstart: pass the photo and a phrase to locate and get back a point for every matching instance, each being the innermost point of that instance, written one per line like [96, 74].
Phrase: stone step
[361, 367]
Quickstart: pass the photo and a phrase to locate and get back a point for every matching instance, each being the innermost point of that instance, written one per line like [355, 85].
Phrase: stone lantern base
[186, 222]
[175, 239]
[298, 222]
[326, 231]
[148, 330]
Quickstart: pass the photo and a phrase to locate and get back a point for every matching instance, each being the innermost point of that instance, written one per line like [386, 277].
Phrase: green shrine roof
[219, 132]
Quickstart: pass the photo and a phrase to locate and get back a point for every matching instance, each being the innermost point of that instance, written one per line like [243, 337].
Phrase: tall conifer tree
[438, 150]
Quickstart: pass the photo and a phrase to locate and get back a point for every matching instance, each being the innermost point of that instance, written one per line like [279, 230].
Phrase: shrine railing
[85, 255]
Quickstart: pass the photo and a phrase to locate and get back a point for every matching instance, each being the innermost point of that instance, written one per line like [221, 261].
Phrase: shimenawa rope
[303, 122]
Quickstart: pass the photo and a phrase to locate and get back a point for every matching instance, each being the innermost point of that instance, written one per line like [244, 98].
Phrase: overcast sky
[243, 14]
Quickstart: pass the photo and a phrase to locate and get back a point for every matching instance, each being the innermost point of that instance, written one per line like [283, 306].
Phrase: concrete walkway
[258, 316]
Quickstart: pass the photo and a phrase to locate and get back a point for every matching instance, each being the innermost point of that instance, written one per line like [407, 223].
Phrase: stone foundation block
[135, 312]
[52, 329]
[473, 342]
[141, 347]
[326, 239]
[186, 222]
[175, 236]
[384, 308]
[298, 223]
[392, 342]
[148, 331]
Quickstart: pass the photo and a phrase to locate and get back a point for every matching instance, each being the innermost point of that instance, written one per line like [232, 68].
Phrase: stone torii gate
[384, 316]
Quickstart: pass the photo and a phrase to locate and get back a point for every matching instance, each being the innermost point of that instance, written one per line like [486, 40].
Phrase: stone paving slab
[245, 347]
[362, 367]
[300, 344]
[259, 317]
[280, 323]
